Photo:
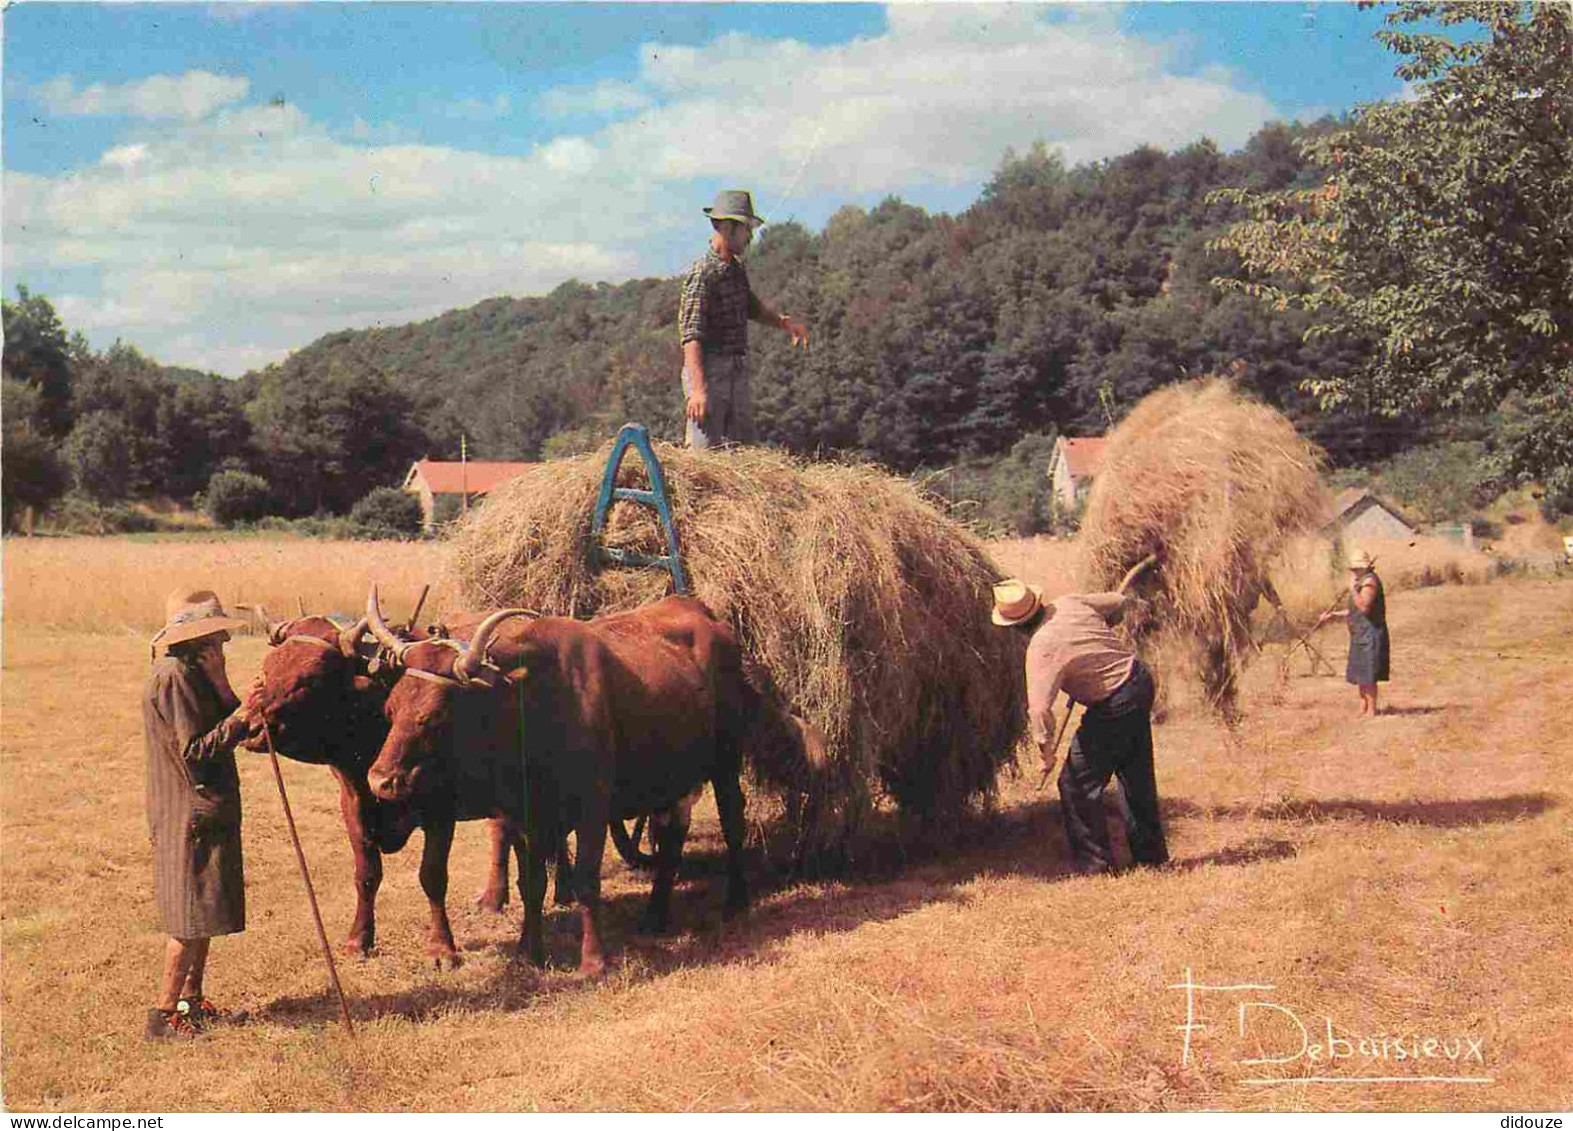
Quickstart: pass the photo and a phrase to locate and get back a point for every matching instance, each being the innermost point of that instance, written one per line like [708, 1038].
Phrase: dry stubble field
[1405, 878]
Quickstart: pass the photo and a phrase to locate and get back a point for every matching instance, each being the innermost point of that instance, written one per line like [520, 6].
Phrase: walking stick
[311, 895]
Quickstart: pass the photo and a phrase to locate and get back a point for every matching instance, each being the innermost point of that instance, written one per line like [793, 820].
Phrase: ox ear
[516, 676]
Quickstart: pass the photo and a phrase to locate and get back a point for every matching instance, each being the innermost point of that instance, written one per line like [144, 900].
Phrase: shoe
[170, 1025]
[206, 1015]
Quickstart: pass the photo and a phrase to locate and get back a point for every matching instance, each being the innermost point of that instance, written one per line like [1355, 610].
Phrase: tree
[37, 353]
[99, 456]
[1443, 230]
[325, 437]
[31, 474]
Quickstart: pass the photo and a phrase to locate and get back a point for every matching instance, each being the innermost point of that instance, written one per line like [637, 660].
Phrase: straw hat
[193, 613]
[1359, 559]
[734, 204]
[1015, 601]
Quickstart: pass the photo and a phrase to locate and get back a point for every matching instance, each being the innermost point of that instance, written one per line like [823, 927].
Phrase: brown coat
[193, 805]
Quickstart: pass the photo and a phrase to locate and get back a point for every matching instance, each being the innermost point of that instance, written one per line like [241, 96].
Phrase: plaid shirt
[716, 305]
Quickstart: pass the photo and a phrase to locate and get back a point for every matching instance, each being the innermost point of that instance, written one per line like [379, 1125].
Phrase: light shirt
[1075, 651]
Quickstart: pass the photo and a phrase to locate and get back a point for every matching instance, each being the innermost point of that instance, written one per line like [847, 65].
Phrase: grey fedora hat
[734, 204]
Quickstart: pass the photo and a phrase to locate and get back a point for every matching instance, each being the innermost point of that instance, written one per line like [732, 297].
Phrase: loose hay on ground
[862, 605]
[1216, 485]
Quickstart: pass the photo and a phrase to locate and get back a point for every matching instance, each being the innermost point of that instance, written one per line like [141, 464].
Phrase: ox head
[438, 680]
[310, 690]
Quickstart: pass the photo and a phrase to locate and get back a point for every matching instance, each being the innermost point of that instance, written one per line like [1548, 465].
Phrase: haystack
[1215, 484]
[859, 603]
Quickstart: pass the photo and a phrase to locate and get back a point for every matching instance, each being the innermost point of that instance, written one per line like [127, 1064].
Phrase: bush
[1011, 497]
[387, 512]
[236, 496]
[78, 514]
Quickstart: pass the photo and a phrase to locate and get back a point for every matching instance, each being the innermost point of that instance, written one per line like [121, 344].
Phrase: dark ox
[605, 720]
[323, 706]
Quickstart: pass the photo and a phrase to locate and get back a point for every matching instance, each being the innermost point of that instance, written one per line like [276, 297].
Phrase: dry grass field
[1394, 881]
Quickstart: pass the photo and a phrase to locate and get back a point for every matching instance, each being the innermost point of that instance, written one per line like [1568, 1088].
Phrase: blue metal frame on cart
[637, 436]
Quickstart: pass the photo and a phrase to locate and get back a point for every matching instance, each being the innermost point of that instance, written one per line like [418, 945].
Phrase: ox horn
[276, 632]
[379, 626]
[350, 637]
[471, 659]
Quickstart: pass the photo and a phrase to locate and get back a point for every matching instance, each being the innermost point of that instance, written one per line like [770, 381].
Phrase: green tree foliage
[1051, 305]
[1443, 232]
[388, 513]
[327, 435]
[1440, 482]
[31, 474]
[236, 496]
[37, 354]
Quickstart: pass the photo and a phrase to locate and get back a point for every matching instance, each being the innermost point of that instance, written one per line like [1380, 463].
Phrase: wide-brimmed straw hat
[1359, 559]
[193, 613]
[1015, 601]
[734, 204]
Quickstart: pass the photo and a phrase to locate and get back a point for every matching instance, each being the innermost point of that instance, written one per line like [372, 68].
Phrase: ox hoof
[446, 960]
[355, 948]
[492, 901]
[536, 957]
[564, 899]
[589, 971]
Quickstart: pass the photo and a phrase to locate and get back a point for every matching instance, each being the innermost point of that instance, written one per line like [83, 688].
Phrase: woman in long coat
[191, 727]
[1366, 614]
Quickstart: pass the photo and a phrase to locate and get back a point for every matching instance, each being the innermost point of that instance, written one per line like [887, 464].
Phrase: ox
[559, 725]
[323, 705]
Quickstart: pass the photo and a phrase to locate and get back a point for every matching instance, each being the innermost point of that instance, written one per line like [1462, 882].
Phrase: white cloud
[188, 97]
[123, 156]
[243, 231]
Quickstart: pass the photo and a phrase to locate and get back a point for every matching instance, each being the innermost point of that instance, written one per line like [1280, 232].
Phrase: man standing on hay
[192, 721]
[1074, 649]
[713, 316]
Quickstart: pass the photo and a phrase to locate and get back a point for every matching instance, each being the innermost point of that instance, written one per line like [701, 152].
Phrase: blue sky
[219, 184]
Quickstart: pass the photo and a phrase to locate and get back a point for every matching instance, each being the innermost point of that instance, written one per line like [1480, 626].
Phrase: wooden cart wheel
[628, 842]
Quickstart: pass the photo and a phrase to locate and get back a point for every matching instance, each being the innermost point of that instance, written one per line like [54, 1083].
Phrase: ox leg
[355, 803]
[671, 830]
[434, 882]
[532, 893]
[729, 805]
[590, 841]
[562, 888]
[494, 896]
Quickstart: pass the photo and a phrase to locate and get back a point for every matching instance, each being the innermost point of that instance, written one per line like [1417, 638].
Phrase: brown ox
[323, 706]
[559, 725]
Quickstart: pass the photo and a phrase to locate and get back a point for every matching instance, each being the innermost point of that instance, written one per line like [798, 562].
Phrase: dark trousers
[1114, 739]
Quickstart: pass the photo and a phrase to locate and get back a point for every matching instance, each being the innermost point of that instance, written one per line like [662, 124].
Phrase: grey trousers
[730, 416]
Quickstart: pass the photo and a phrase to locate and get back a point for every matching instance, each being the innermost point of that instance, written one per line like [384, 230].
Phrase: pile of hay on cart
[861, 604]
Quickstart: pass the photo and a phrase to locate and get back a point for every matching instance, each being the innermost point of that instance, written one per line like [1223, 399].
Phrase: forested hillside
[1061, 297]
[1054, 303]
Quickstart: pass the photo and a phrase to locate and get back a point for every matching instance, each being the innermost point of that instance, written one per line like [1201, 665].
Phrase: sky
[219, 184]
